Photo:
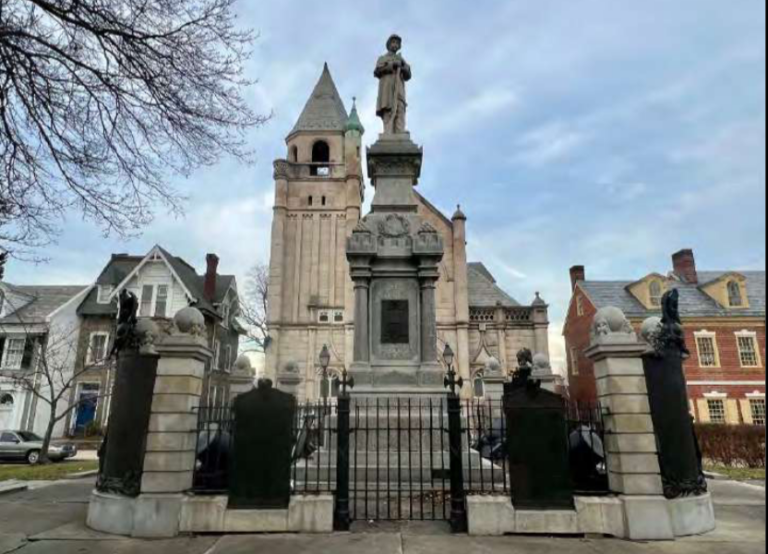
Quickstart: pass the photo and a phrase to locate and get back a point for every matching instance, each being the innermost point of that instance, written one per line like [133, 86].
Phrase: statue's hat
[394, 37]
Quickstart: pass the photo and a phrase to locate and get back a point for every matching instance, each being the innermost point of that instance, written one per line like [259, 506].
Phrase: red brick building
[723, 313]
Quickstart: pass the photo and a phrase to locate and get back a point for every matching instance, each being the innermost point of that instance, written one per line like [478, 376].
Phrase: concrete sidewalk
[50, 520]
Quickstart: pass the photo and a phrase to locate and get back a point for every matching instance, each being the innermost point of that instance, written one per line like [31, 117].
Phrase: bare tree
[54, 376]
[101, 99]
[254, 306]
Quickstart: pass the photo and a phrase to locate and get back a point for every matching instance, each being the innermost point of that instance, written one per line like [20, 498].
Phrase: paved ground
[50, 520]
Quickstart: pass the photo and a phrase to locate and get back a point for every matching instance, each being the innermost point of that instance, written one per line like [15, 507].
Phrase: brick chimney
[209, 290]
[684, 264]
[578, 273]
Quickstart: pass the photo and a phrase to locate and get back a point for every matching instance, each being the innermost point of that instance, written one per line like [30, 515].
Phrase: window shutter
[29, 352]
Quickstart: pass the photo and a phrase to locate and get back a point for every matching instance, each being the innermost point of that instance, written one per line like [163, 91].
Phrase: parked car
[23, 445]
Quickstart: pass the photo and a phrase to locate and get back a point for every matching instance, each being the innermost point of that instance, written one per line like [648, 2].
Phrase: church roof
[324, 110]
[483, 290]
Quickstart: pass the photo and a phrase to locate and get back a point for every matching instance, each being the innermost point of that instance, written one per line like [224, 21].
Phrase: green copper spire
[354, 123]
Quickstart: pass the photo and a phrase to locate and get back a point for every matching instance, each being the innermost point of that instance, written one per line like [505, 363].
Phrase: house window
[97, 348]
[147, 291]
[228, 358]
[657, 291]
[579, 305]
[225, 310]
[758, 411]
[217, 355]
[716, 411]
[104, 292]
[748, 350]
[735, 297]
[161, 301]
[707, 346]
[574, 361]
[14, 353]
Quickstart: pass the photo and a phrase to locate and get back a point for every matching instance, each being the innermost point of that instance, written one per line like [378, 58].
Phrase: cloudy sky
[603, 133]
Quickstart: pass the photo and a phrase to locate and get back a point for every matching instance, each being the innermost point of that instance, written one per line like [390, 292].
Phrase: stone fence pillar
[630, 441]
[171, 442]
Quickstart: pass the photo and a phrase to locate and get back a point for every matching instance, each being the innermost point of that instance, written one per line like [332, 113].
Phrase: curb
[82, 475]
[13, 487]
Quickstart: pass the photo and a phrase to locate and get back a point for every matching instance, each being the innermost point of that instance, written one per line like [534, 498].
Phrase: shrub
[732, 445]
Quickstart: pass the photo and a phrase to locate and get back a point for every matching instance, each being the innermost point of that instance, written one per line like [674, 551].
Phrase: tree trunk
[47, 438]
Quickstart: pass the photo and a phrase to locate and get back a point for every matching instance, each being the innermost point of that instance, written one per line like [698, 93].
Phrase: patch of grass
[51, 472]
[739, 473]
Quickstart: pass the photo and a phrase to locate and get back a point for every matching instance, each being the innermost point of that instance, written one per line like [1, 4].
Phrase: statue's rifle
[395, 95]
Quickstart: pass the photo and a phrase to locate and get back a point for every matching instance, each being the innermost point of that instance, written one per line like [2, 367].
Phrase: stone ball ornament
[190, 321]
[147, 334]
[610, 321]
[541, 364]
[493, 366]
[243, 365]
[651, 329]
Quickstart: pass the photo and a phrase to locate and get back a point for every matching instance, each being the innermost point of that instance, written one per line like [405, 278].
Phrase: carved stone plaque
[395, 322]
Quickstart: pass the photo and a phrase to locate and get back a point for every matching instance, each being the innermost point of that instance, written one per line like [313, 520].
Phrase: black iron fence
[406, 458]
[313, 458]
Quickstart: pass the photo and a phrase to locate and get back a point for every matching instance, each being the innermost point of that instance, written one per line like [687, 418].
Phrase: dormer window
[104, 292]
[735, 296]
[656, 293]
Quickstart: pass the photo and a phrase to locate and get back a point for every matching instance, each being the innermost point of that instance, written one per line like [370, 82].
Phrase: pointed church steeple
[324, 110]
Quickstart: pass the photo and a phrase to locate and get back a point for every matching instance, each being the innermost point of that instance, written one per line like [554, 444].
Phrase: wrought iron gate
[401, 462]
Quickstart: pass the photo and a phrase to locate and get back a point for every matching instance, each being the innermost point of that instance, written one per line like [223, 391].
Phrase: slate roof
[121, 265]
[483, 290]
[46, 300]
[694, 302]
[324, 110]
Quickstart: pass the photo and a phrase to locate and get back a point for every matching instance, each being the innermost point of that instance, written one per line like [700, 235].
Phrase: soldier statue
[393, 72]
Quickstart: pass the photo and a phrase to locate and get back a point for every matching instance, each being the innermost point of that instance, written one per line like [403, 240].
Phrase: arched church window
[735, 298]
[478, 386]
[656, 293]
[6, 401]
[321, 158]
[294, 157]
[310, 201]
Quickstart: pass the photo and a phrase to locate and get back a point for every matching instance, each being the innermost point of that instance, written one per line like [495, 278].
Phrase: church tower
[318, 199]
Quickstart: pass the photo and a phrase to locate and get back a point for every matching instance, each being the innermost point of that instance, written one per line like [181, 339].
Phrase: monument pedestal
[394, 260]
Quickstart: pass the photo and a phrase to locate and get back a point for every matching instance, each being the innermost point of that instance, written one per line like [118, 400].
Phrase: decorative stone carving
[147, 333]
[492, 367]
[395, 226]
[190, 321]
[403, 166]
[284, 170]
[611, 321]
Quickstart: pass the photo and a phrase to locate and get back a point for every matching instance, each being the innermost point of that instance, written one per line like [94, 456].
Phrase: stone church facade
[319, 194]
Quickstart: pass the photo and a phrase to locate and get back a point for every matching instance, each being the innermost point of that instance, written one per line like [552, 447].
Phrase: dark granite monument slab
[537, 442]
[260, 473]
[123, 449]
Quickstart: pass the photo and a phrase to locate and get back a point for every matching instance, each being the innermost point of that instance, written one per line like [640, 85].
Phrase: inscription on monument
[394, 322]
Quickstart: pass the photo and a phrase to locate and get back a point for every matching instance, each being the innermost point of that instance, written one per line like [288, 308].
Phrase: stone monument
[394, 256]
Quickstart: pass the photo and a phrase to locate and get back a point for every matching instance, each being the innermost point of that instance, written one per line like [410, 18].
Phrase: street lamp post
[458, 504]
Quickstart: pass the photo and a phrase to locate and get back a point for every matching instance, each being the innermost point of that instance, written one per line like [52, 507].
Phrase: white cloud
[548, 144]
